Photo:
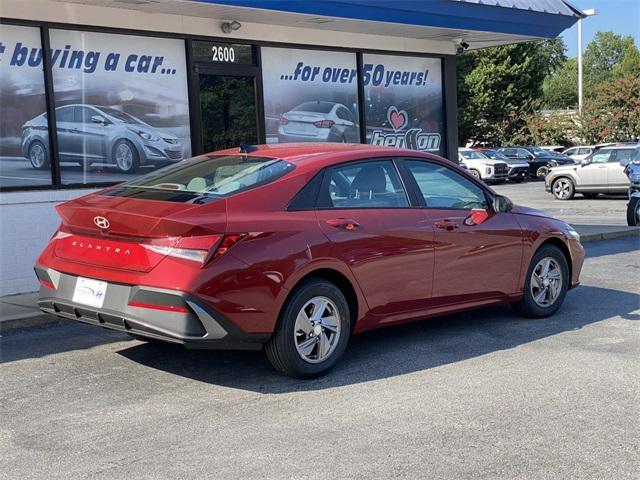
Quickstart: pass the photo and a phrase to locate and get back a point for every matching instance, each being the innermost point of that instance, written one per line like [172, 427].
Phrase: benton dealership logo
[414, 138]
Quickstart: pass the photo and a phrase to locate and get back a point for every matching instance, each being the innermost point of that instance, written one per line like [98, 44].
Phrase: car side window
[443, 187]
[571, 151]
[65, 114]
[584, 151]
[522, 153]
[623, 154]
[370, 184]
[83, 115]
[602, 156]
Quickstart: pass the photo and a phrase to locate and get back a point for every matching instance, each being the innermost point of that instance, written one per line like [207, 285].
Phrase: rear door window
[370, 184]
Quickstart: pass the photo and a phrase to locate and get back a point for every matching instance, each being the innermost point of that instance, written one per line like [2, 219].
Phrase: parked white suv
[483, 167]
[577, 154]
[599, 173]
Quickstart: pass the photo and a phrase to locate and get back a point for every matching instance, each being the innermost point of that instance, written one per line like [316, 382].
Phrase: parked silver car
[319, 122]
[95, 134]
[601, 172]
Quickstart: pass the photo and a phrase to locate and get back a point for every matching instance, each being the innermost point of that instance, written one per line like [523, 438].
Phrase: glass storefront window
[122, 104]
[310, 96]
[24, 140]
[404, 102]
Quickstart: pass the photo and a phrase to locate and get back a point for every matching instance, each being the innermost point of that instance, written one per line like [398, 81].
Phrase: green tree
[613, 113]
[603, 53]
[561, 87]
[496, 83]
[629, 65]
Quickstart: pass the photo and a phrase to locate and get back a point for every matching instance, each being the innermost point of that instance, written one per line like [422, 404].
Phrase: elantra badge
[101, 222]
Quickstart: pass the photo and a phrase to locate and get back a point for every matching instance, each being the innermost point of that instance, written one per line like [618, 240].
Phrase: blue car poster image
[310, 96]
[121, 104]
[403, 102]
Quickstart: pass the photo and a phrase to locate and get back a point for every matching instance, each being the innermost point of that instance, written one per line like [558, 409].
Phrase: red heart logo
[397, 119]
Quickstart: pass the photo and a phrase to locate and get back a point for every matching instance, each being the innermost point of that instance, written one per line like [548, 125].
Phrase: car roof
[318, 155]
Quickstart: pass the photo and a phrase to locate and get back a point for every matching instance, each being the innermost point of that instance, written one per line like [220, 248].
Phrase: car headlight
[147, 136]
[572, 233]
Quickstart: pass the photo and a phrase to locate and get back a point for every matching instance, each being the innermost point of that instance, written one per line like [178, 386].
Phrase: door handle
[602, 166]
[345, 223]
[446, 225]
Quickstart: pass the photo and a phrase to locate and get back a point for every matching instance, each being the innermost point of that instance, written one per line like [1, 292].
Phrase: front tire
[563, 189]
[542, 172]
[38, 156]
[312, 331]
[546, 283]
[633, 212]
[125, 156]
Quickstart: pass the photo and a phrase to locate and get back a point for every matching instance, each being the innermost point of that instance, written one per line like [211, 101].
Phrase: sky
[619, 16]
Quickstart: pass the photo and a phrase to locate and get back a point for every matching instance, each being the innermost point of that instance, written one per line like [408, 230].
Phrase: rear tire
[312, 331]
[546, 283]
[633, 212]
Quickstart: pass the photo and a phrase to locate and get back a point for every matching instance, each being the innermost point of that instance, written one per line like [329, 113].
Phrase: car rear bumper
[170, 315]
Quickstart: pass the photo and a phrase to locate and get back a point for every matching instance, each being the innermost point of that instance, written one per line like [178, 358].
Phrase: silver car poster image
[403, 102]
[121, 104]
[310, 96]
[22, 97]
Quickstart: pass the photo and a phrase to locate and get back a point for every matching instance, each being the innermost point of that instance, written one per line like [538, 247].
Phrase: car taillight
[61, 233]
[200, 249]
[283, 120]
[324, 123]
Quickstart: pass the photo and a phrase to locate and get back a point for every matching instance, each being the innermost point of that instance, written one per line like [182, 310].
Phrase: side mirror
[502, 204]
[99, 119]
[530, 157]
[584, 162]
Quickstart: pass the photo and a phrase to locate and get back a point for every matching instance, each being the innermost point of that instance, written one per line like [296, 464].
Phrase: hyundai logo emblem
[101, 222]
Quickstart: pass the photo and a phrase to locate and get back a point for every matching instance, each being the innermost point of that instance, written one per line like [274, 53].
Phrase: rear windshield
[205, 178]
[317, 107]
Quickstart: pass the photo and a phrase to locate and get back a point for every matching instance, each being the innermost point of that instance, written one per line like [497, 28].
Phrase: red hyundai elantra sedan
[293, 248]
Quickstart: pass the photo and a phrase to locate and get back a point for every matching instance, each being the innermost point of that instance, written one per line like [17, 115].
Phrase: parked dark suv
[540, 161]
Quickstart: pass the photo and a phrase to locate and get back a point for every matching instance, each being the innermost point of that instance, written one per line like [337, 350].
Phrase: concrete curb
[34, 319]
[598, 236]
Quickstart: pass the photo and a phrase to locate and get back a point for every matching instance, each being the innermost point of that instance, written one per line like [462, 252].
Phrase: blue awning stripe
[500, 16]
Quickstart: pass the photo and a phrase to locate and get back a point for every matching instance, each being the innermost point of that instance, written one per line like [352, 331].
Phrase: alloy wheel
[562, 189]
[124, 157]
[546, 282]
[317, 329]
[37, 156]
[542, 172]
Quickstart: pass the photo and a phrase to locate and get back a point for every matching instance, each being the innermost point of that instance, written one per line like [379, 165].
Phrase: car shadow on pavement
[395, 350]
[63, 336]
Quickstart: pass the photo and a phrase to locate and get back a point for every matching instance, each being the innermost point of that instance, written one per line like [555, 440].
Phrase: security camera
[228, 27]
[461, 46]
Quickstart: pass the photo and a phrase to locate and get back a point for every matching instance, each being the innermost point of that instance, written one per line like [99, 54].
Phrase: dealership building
[129, 86]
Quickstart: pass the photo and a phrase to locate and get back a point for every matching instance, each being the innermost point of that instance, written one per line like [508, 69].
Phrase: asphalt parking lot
[483, 394]
[603, 210]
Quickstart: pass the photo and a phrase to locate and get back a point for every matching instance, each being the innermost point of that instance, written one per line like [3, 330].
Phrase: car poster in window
[24, 152]
[121, 104]
[310, 96]
[404, 102]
